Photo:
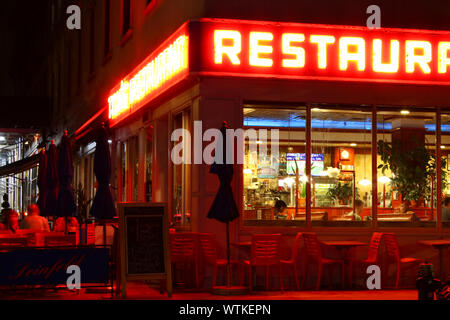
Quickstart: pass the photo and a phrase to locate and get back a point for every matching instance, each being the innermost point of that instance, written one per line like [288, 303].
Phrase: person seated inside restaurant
[404, 207]
[72, 224]
[34, 220]
[279, 210]
[359, 206]
[446, 209]
[11, 220]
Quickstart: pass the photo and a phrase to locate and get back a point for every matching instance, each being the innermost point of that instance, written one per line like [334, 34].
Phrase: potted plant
[341, 192]
[412, 170]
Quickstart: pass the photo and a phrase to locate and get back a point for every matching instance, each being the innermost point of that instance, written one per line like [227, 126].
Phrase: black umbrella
[103, 204]
[66, 206]
[224, 208]
[52, 180]
[42, 182]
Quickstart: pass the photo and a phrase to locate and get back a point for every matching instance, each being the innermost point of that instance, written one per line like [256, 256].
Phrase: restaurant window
[341, 165]
[270, 175]
[124, 171]
[148, 163]
[126, 16]
[445, 167]
[406, 161]
[134, 161]
[181, 177]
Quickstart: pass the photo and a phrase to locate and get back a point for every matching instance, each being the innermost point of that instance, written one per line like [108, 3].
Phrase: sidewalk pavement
[142, 291]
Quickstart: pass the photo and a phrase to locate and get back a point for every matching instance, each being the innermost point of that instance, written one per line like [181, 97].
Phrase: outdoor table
[441, 245]
[344, 246]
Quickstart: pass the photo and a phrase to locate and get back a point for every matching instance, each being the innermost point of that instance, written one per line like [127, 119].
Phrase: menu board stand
[144, 244]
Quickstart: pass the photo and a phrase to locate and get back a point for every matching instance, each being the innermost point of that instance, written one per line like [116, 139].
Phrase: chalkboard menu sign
[144, 243]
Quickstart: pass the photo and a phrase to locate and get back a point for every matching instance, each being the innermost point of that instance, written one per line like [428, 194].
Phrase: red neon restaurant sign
[287, 50]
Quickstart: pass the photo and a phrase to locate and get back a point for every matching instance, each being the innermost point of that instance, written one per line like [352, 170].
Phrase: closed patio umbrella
[224, 208]
[42, 182]
[103, 205]
[52, 181]
[66, 206]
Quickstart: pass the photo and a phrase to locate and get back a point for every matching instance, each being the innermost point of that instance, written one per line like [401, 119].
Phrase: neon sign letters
[150, 78]
[324, 52]
[351, 50]
[212, 47]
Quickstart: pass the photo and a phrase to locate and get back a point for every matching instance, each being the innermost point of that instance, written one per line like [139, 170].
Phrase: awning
[19, 166]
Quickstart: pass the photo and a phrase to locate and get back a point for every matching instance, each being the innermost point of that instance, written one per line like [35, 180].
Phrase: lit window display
[341, 172]
[445, 168]
[406, 161]
[342, 136]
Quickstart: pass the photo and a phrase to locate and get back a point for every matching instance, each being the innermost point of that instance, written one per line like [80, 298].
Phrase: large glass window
[124, 171]
[406, 160]
[341, 164]
[148, 163]
[445, 167]
[181, 177]
[270, 176]
[340, 168]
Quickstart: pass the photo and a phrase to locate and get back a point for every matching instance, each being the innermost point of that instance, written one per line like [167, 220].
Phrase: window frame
[281, 227]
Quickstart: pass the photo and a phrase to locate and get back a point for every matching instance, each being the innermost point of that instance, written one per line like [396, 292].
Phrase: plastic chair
[293, 259]
[184, 248]
[314, 252]
[393, 254]
[265, 252]
[208, 254]
[372, 254]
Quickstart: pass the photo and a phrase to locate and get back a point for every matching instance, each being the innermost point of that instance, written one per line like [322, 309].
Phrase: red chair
[293, 259]
[372, 254]
[393, 254]
[314, 253]
[208, 254]
[184, 249]
[265, 252]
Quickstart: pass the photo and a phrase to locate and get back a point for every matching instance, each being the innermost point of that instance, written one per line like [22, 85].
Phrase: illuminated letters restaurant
[363, 119]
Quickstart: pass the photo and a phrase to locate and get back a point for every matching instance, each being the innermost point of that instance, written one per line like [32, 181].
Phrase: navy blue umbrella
[42, 182]
[103, 204]
[224, 208]
[66, 205]
[52, 180]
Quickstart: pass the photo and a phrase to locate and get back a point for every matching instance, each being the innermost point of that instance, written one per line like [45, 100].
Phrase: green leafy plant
[341, 192]
[412, 169]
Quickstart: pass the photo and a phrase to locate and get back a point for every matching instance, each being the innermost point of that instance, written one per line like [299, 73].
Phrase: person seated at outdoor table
[446, 209]
[279, 210]
[34, 220]
[12, 220]
[72, 224]
[359, 206]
